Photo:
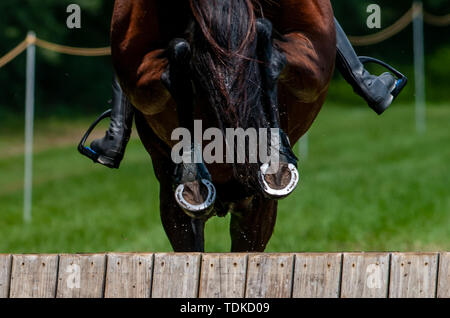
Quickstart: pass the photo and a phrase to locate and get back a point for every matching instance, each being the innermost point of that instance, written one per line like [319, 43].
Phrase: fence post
[419, 67]
[29, 126]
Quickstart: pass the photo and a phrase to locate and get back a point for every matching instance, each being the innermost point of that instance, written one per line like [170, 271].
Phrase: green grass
[370, 183]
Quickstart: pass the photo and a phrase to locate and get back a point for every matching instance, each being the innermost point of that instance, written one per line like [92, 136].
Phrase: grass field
[370, 183]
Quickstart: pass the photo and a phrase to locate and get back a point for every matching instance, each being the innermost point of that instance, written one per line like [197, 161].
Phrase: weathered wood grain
[191, 275]
[317, 275]
[365, 275]
[223, 276]
[269, 276]
[413, 275]
[176, 275]
[128, 275]
[81, 276]
[33, 276]
[443, 290]
[5, 275]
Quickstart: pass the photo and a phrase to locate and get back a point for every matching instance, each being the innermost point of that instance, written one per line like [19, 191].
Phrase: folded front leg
[194, 191]
[279, 182]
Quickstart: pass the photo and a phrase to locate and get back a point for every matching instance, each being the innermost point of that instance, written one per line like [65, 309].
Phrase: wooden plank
[5, 275]
[317, 275]
[444, 276]
[34, 276]
[81, 276]
[269, 276]
[365, 275]
[413, 275]
[128, 275]
[176, 275]
[223, 276]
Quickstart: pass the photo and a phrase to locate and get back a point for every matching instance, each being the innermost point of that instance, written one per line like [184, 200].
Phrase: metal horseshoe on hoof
[279, 193]
[197, 210]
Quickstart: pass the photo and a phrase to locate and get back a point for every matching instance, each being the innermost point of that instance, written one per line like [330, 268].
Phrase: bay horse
[228, 63]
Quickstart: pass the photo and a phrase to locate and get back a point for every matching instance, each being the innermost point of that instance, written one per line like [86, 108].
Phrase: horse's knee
[310, 64]
[306, 85]
[263, 29]
[179, 51]
[307, 74]
[145, 87]
[149, 94]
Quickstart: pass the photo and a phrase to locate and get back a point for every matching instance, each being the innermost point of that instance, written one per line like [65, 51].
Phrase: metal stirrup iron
[85, 150]
[402, 80]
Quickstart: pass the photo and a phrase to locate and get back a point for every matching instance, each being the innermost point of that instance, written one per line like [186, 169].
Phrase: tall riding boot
[376, 90]
[111, 148]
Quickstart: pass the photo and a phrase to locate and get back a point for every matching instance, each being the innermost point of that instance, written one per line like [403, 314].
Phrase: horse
[239, 64]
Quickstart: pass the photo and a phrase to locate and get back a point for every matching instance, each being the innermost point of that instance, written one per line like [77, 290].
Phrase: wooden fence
[161, 275]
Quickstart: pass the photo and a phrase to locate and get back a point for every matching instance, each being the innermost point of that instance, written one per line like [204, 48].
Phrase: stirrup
[85, 150]
[402, 80]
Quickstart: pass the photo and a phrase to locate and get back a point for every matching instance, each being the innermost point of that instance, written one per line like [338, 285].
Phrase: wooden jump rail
[192, 275]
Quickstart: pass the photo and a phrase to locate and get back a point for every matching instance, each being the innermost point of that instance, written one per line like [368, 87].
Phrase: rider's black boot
[376, 90]
[111, 148]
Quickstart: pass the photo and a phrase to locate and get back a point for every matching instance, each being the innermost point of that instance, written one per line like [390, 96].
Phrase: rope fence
[435, 20]
[33, 40]
[15, 52]
[375, 38]
[103, 51]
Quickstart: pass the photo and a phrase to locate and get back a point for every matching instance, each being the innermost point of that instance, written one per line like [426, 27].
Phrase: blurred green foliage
[81, 85]
[64, 84]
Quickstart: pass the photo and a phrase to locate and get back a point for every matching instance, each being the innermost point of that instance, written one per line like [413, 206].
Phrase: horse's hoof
[279, 185]
[196, 198]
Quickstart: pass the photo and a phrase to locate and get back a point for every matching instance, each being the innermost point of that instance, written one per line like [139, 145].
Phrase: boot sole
[108, 162]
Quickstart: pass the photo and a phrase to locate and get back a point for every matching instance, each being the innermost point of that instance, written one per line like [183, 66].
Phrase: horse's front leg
[194, 191]
[185, 233]
[281, 181]
[252, 224]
